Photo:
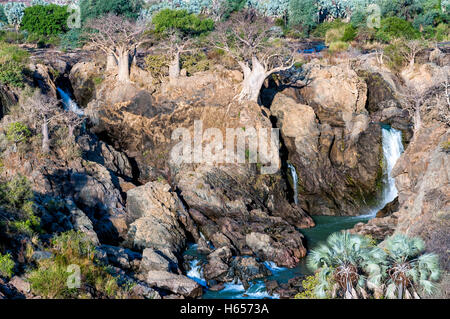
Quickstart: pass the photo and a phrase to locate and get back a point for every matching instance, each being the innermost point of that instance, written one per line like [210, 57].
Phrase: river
[325, 225]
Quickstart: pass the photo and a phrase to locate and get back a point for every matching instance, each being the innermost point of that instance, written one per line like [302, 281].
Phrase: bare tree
[43, 110]
[248, 38]
[72, 120]
[119, 38]
[175, 45]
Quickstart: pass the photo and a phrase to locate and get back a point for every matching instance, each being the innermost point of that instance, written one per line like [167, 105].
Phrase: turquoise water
[325, 225]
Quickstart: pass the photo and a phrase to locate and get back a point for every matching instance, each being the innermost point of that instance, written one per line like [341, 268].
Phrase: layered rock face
[423, 175]
[227, 202]
[332, 142]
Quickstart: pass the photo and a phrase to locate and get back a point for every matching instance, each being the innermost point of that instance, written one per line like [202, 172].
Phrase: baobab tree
[43, 110]
[176, 30]
[249, 39]
[119, 39]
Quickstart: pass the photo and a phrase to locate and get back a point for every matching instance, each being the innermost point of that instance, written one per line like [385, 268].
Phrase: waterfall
[294, 182]
[196, 273]
[392, 150]
[70, 104]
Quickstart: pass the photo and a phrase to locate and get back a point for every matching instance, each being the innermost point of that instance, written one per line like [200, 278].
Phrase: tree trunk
[253, 81]
[174, 68]
[124, 66]
[45, 137]
[400, 291]
[71, 131]
[111, 63]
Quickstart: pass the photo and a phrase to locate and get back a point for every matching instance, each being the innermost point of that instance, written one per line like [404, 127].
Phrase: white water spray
[392, 150]
[196, 273]
[70, 104]
[294, 182]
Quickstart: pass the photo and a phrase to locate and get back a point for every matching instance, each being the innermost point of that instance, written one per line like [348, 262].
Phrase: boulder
[177, 284]
[218, 264]
[248, 269]
[81, 222]
[153, 260]
[20, 284]
[121, 257]
[153, 216]
[269, 248]
[82, 76]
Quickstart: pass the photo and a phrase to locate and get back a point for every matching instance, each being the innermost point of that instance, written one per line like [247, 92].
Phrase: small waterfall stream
[392, 150]
[294, 176]
[69, 104]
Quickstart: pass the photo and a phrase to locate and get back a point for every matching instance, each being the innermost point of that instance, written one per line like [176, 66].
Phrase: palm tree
[408, 266]
[342, 261]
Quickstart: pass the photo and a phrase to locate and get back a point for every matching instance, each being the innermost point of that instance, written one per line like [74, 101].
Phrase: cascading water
[294, 182]
[196, 273]
[70, 104]
[392, 150]
[325, 225]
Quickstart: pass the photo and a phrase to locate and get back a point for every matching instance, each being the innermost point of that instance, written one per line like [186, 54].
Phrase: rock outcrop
[154, 218]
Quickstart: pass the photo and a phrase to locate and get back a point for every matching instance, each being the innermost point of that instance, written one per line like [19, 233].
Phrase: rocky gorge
[143, 210]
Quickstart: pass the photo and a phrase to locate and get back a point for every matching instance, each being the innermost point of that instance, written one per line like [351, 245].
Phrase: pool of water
[325, 225]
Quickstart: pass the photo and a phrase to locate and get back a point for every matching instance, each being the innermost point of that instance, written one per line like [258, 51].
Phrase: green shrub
[440, 33]
[73, 248]
[6, 265]
[12, 64]
[91, 9]
[71, 39]
[321, 30]
[11, 74]
[345, 33]
[338, 46]
[309, 286]
[17, 132]
[157, 65]
[394, 28]
[181, 20]
[16, 196]
[12, 36]
[194, 63]
[48, 19]
[395, 55]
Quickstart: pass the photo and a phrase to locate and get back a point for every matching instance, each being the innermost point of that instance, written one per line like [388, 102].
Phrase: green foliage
[17, 132]
[182, 21]
[12, 36]
[303, 13]
[394, 28]
[309, 285]
[321, 30]
[71, 39]
[73, 248]
[440, 33]
[338, 46]
[91, 9]
[194, 63]
[16, 196]
[11, 73]
[6, 265]
[14, 12]
[344, 33]
[157, 65]
[3, 17]
[12, 64]
[408, 265]
[345, 258]
[45, 19]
